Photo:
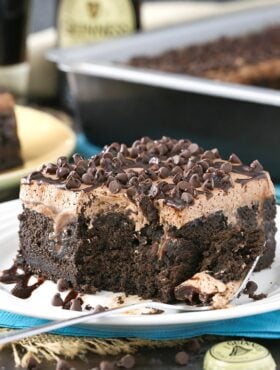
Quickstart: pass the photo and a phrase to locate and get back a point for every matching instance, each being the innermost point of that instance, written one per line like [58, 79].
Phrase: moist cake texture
[144, 220]
[253, 59]
[9, 143]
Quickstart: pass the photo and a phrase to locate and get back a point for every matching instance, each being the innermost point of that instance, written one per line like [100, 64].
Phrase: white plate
[39, 304]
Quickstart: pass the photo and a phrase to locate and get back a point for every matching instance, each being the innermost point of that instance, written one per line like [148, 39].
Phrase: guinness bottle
[86, 21]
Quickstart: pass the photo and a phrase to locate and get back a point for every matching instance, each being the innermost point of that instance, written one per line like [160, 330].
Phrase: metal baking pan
[116, 102]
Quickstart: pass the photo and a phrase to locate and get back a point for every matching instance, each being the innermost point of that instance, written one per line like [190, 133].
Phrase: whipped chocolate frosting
[178, 178]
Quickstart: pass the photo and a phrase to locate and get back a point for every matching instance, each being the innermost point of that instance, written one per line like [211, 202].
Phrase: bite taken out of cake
[163, 219]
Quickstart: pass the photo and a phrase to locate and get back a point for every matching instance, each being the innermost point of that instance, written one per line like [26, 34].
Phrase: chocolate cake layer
[145, 219]
[253, 59]
[9, 143]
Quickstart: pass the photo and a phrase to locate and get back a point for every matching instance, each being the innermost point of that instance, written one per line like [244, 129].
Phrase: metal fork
[54, 325]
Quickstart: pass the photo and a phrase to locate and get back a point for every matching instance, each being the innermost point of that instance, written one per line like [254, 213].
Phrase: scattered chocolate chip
[226, 179]
[61, 161]
[87, 179]
[62, 285]
[208, 154]
[153, 192]
[204, 164]
[163, 172]
[62, 172]
[106, 365]
[177, 178]
[57, 300]
[98, 309]
[234, 159]
[122, 178]
[193, 148]
[183, 185]
[51, 168]
[131, 192]
[215, 151]
[182, 358]
[255, 165]
[187, 197]
[76, 305]
[32, 363]
[77, 158]
[208, 184]
[127, 361]
[176, 170]
[195, 181]
[226, 167]
[62, 365]
[250, 288]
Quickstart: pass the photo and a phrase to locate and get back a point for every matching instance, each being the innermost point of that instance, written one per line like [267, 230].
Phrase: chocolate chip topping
[176, 171]
[76, 305]
[62, 285]
[57, 300]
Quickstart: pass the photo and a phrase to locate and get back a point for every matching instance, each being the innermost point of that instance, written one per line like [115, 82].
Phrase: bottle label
[238, 351]
[84, 21]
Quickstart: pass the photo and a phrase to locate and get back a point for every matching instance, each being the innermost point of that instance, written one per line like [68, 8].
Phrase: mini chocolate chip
[163, 172]
[72, 182]
[153, 192]
[187, 197]
[250, 288]
[183, 185]
[142, 177]
[208, 184]
[62, 365]
[186, 153]
[127, 361]
[122, 177]
[182, 358]
[123, 149]
[204, 165]
[106, 365]
[87, 179]
[51, 168]
[234, 159]
[208, 154]
[226, 179]
[226, 167]
[211, 170]
[220, 173]
[133, 181]
[163, 149]
[256, 166]
[76, 305]
[98, 309]
[77, 158]
[152, 175]
[176, 169]
[193, 148]
[154, 160]
[80, 169]
[114, 186]
[133, 152]
[62, 172]
[207, 176]
[176, 159]
[57, 300]
[62, 285]
[32, 363]
[195, 181]
[61, 161]
[215, 151]
[105, 163]
[100, 175]
[131, 192]
[108, 155]
[177, 178]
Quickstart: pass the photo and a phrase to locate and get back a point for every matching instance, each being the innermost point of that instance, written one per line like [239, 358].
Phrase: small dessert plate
[39, 304]
[43, 138]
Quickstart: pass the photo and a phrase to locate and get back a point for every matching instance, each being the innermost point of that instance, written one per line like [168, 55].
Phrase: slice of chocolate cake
[233, 59]
[9, 143]
[145, 219]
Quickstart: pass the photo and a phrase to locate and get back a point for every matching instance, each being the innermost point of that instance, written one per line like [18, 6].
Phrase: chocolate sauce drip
[21, 289]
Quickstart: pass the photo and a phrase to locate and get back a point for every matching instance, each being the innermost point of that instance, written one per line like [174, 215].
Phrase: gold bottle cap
[238, 355]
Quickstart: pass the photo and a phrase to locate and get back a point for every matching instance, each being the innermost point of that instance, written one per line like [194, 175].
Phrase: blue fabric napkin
[258, 326]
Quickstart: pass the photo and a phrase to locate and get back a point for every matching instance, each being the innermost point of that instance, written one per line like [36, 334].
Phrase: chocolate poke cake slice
[253, 59]
[9, 142]
[146, 219]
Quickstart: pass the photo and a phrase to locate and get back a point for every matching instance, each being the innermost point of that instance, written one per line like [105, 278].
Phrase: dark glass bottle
[13, 20]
